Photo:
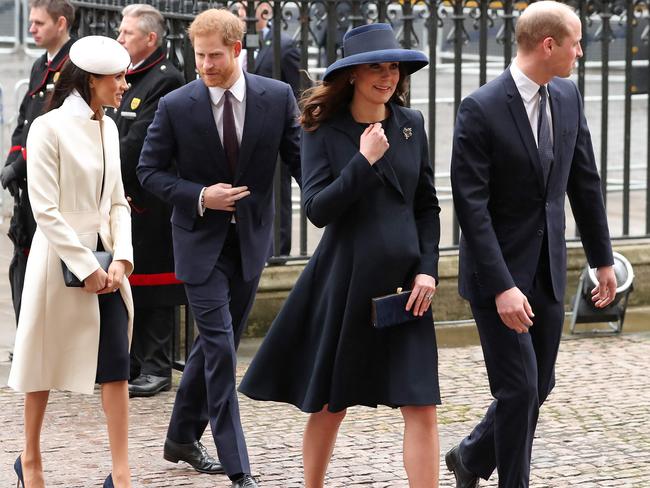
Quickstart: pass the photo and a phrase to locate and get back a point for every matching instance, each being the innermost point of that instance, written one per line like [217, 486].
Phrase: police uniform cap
[99, 55]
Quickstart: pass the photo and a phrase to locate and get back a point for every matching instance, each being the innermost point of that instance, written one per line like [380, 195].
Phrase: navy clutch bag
[105, 259]
[389, 310]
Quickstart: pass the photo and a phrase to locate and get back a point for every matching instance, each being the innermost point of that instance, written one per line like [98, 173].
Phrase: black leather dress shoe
[195, 454]
[246, 481]
[464, 477]
[147, 385]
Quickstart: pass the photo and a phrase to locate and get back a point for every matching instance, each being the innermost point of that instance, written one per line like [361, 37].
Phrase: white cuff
[200, 207]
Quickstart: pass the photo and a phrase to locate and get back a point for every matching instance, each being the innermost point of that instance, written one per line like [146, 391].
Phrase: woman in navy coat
[366, 178]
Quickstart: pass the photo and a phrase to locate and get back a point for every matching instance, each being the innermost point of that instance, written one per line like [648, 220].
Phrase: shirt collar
[238, 89]
[136, 65]
[76, 106]
[527, 87]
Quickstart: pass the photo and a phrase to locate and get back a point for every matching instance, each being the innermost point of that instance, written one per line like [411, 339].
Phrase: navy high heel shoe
[108, 482]
[18, 468]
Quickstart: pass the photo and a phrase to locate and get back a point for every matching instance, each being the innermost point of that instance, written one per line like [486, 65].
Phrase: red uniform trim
[144, 68]
[154, 279]
[15, 148]
[49, 70]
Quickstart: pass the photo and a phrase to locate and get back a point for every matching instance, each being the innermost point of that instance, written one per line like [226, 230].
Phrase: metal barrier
[2, 146]
[10, 15]
[7, 125]
[468, 42]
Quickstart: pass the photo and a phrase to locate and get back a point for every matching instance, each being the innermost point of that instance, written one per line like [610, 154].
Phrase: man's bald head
[541, 20]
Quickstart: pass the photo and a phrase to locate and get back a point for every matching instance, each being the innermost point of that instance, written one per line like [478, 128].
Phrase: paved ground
[594, 431]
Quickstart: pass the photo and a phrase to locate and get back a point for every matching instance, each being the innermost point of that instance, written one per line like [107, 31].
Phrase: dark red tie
[230, 142]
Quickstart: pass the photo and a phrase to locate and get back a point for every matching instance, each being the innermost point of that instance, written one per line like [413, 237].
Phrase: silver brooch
[408, 132]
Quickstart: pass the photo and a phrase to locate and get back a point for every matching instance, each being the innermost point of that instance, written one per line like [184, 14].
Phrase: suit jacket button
[540, 232]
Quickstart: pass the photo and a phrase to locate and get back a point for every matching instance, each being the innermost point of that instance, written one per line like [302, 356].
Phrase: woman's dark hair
[71, 77]
[328, 98]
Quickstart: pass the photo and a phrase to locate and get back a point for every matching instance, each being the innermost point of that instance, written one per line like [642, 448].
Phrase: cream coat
[58, 332]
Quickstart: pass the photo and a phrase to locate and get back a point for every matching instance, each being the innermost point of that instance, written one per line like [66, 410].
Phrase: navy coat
[382, 228]
[153, 283]
[184, 131]
[504, 206]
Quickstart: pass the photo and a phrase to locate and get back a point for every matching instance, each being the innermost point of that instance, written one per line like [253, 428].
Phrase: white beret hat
[99, 55]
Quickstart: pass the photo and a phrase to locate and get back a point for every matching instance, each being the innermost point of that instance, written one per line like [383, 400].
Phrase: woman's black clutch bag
[389, 310]
[104, 257]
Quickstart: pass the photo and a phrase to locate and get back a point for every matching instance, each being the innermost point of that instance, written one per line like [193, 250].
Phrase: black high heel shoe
[108, 482]
[18, 468]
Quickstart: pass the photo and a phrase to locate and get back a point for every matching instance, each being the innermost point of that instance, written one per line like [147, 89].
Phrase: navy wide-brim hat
[375, 43]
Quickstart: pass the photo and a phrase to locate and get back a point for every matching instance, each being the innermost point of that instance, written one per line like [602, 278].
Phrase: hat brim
[411, 60]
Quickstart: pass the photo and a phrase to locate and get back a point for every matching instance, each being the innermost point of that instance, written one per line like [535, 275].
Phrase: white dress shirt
[529, 91]
[238, 103]
[238, 91]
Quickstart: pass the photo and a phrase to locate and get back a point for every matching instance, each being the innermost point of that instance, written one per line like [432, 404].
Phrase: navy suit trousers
[521, 372]
[207, 390]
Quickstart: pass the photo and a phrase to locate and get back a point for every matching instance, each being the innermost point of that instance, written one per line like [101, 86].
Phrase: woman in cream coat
[71, 338]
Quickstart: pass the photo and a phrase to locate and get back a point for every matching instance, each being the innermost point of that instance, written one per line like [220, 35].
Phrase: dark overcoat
[153, 282]
[382, 228]
[41, 84]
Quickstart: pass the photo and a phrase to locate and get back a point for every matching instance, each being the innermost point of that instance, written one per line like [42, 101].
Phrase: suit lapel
[265, 49]
[396, 137]
[256, 109]
[558, 128]
[204, 118]
[518, 112]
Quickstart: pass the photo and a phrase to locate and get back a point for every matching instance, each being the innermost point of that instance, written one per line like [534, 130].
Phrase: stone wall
[278, 280]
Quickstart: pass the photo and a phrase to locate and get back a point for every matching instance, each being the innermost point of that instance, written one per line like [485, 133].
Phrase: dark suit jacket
[184, 131]
[289, 61]
[503, 206]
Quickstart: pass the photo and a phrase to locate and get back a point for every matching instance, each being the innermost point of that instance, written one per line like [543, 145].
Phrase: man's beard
[216, 79]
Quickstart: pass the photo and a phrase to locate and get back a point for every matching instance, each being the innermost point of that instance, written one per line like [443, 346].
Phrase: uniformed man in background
[49, 24]
[155, 288]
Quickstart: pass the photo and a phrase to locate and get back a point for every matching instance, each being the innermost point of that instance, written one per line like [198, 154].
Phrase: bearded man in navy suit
[521, 144]
[211, 152]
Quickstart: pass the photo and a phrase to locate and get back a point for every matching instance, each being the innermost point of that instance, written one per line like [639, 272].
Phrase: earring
[351, 81]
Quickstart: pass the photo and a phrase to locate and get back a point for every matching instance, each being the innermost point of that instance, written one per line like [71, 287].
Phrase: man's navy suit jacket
[183, 153]
[503, 204]
[289, 60]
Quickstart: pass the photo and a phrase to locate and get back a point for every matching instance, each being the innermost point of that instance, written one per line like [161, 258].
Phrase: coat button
[540, 232]
[546, 205]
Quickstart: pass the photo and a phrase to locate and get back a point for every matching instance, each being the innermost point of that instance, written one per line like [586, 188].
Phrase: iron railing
[468, 43]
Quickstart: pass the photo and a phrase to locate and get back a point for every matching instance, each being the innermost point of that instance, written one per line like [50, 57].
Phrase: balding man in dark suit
[521, 144]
